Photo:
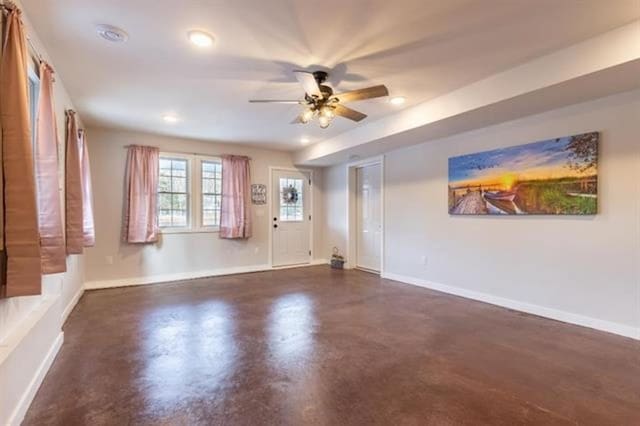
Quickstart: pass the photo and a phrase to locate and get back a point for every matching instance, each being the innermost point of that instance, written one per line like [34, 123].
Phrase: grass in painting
[551, 198]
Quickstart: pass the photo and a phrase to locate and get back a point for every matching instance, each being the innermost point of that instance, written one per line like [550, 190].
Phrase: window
[211, 192]
[189, 193]
[173, 194]
[34, 93]
[291, 204]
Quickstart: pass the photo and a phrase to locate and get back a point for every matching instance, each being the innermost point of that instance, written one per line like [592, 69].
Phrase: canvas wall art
[551, 177]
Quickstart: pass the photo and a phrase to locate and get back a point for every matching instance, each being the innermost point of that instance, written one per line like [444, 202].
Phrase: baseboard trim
[72, 304]
[576, 319]
[27, 397]
[164, 278]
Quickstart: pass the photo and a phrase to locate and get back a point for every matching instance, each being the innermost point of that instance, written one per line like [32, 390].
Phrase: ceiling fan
[320, 101]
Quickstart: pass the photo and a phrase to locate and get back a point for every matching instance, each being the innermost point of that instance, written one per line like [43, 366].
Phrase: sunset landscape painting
[551, 177]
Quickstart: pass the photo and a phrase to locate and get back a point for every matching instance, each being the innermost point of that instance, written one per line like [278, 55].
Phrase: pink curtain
[235, 216]
[140, 219]
[46, 155]
[73, 188]
[88, 228]
[21, 241]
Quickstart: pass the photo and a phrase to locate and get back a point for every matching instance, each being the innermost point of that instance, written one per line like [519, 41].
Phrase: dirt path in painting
[471, 203]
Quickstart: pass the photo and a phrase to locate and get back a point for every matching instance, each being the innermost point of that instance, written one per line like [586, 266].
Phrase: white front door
[369, 217]
[291, 221]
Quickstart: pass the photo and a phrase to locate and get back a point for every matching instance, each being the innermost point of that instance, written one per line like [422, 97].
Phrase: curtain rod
[186, 153]
[36, 53]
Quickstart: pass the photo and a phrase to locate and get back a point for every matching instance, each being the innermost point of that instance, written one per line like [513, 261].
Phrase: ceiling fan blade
[361, 94]
[349, 113]
[272, 101]
[309, 83]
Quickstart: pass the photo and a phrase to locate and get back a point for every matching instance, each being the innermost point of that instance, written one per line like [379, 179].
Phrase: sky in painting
[538, 160]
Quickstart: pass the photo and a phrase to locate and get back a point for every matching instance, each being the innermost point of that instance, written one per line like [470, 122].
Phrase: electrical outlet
[425, 260]
[256, 250]
[108, 260]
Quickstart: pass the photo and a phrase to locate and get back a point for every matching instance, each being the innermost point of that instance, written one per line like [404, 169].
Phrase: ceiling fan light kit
[320, 102]
[324, 121]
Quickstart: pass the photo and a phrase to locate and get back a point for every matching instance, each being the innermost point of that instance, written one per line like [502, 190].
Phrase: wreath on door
[290, 195]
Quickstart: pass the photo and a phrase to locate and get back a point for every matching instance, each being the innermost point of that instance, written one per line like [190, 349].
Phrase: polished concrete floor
[317, 346]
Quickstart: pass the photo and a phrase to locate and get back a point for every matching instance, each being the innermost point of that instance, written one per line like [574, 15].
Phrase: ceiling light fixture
[398, 100]
[324, 121]
[304, 140]
[200, 38]
[170, 118]
[307, 115]
[327, 111]
[112, 34]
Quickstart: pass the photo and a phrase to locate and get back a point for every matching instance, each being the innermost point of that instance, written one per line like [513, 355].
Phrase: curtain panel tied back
[21, 240]
[46, 161]
[79, 209]
[140, 219]
[235, 210]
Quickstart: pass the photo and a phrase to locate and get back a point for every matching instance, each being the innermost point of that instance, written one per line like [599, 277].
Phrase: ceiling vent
[111, 33]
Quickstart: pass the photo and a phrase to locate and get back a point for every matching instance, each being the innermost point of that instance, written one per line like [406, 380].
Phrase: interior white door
[369, 217]
[291, 221]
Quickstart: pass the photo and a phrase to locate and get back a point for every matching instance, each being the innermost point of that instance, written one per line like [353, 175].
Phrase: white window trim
[194, 197]
[33, 81]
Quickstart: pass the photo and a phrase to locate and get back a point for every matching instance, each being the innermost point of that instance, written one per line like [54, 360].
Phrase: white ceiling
[418, 48]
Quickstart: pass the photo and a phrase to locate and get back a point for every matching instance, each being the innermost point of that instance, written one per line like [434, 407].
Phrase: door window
[291, 200]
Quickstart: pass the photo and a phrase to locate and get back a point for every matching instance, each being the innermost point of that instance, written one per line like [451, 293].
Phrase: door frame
[271, 212]
[352, 223]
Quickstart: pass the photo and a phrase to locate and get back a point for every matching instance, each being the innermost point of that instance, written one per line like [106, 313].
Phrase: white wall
[186, 253]
[582, 269]
[31, 326]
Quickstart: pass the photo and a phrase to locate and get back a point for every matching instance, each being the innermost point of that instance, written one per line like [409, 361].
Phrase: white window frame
[194, 193]
[34, 98]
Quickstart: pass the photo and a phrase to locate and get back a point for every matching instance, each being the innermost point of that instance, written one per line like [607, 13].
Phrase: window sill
[189, 231]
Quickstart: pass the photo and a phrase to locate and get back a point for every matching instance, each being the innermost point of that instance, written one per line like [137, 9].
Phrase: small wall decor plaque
[259, 194]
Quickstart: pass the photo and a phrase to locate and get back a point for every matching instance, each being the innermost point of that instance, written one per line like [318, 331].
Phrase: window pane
[164, 201]
[207, 202]
[208, 186]
[164, 184]
[165, 167]
[179, 168]
[291, 199]
[208, 169]
[179, 184]
[179, 218]
[164, 218]
[179, 202]
[209, 218]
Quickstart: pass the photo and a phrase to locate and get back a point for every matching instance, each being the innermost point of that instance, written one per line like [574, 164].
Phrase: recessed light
[111, 33]
[200, 38]
[170, 118]
[304, 141]
[398, 100]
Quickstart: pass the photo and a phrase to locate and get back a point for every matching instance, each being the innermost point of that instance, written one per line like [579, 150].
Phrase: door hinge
[309, 252]
[309, 217]
[309, 181]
